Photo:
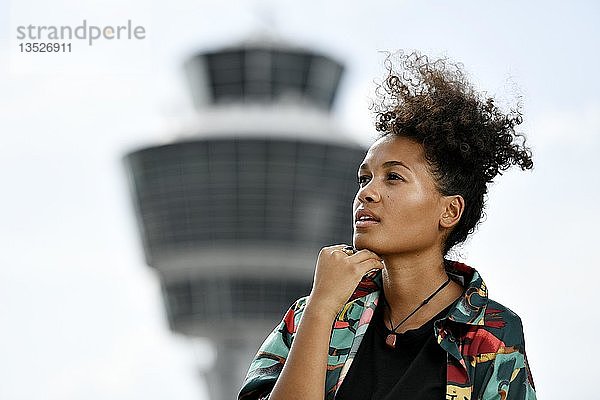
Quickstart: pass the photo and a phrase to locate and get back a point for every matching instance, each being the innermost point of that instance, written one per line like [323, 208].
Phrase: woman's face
[399, 192]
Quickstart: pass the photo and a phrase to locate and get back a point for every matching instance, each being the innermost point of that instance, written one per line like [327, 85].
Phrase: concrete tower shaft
[233, 215]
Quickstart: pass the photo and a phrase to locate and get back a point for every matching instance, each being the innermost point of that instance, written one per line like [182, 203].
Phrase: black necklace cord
[417, 309]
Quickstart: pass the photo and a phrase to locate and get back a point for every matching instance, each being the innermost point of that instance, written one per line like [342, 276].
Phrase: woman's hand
[337, 274]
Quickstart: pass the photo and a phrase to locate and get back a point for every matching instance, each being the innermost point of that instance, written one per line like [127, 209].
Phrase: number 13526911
[32, 47]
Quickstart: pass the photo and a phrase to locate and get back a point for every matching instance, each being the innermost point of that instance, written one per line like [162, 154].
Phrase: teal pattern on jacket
[483, 340]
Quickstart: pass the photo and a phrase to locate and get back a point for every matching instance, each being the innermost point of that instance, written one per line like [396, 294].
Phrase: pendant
[390, 340]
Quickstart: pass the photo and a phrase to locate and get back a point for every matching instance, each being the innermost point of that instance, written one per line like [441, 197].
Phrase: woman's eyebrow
[386, 165]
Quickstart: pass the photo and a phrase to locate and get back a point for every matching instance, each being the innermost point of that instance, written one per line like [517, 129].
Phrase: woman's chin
[360, 242]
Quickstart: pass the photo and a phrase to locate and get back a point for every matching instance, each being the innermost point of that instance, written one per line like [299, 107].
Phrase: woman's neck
[408, 280]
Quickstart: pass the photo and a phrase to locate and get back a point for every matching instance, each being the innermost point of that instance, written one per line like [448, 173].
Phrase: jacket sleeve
[510, 378]
[268, 361]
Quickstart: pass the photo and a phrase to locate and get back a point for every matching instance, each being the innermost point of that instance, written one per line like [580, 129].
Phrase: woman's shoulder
[494, 306]
[500, 324]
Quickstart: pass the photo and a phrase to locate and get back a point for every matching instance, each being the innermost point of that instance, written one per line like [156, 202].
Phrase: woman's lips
[365, 224]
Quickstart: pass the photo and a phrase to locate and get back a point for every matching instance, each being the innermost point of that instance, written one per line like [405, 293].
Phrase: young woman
[391, 317]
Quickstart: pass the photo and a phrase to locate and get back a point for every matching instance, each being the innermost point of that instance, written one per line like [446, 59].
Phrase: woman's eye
[362, 179]
[395, 176]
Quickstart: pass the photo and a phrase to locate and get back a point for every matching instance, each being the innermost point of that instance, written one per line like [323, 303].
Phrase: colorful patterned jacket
[483, 340]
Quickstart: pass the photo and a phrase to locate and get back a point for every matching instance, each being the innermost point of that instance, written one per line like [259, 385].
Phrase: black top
[415, 369]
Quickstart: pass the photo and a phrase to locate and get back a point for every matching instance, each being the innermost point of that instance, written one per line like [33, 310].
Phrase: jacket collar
[470, 308]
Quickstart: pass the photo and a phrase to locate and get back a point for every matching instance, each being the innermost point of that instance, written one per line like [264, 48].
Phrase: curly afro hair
[467, 139]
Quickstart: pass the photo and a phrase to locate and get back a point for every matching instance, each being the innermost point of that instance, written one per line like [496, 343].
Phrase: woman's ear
[454, 207]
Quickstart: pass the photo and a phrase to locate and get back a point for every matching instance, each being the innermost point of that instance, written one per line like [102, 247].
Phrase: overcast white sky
[82, 315]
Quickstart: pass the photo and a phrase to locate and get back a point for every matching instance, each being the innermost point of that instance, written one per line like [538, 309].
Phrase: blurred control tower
[233, 213]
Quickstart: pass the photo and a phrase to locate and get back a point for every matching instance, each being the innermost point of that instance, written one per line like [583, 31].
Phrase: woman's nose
[368, 193]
